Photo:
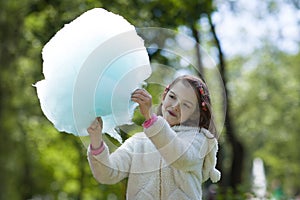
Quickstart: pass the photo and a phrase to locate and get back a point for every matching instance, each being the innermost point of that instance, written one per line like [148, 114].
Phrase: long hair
[204, 116]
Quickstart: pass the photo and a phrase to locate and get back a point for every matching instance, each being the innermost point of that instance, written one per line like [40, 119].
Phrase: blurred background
[255, 47]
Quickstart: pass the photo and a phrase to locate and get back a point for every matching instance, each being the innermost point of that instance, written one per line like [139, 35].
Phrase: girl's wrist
[95, 150]
[96, 144]
[147, 117]
[96, 135]
[96, 140]
[148, 122]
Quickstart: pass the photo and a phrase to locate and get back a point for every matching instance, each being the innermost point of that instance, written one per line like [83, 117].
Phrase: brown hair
[205, 120]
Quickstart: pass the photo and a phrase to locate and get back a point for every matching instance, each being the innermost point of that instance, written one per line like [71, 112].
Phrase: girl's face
[180, 104]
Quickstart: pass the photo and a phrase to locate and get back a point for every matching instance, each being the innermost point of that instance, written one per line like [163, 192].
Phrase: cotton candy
[91, 66]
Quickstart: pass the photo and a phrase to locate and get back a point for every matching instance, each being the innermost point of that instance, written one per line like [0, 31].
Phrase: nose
[176, 105]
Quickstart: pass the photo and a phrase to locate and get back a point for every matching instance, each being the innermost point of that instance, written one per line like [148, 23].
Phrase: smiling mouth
[172, 113]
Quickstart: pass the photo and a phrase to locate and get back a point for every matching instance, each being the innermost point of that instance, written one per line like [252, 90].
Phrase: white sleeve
[209, 165]
[111, 168]
[181, 153]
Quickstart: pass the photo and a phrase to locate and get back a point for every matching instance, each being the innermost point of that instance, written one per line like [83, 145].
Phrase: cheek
[188, 113]
[165, 104]
[163, 108]
[185, 114]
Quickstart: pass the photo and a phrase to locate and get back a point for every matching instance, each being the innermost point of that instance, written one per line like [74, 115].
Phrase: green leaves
[266, 106]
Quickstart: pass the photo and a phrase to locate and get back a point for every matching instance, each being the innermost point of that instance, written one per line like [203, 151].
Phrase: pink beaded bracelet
[150, 121]
[98, 150]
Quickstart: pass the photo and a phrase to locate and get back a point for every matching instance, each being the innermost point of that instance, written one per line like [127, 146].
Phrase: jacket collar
[179, 128]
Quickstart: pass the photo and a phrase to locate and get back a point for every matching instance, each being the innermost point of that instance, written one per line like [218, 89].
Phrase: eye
[187, 105]
[172, 96]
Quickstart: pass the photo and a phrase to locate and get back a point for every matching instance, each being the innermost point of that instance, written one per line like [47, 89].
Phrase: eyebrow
[187, 101]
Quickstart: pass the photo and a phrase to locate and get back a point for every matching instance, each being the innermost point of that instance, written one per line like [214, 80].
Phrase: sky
[243, 25]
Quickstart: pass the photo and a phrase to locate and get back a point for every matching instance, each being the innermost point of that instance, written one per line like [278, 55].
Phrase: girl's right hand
[95, 132]
[144, 99]
[96, 126]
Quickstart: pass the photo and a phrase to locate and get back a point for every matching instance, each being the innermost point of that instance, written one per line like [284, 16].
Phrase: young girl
[175, 153]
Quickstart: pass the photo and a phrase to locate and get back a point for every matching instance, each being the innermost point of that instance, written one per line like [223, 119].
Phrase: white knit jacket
[161, 163]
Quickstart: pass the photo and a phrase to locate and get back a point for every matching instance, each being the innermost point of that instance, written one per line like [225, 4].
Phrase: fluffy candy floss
[91, 67]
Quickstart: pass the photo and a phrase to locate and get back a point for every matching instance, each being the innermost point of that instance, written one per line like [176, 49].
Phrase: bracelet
[150, 121]
[98, 150]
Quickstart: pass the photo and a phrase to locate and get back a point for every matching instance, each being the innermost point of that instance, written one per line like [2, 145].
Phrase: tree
[266, 101]
[235, 174]
[50, 165]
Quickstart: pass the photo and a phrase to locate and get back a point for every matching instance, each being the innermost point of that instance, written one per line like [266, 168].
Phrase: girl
[175, 153]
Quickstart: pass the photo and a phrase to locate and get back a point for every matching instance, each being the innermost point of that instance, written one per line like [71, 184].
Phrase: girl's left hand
[144, 99]
[95, 132]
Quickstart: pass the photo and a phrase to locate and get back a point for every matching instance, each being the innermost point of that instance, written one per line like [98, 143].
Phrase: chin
[170, 119]
[171, 122]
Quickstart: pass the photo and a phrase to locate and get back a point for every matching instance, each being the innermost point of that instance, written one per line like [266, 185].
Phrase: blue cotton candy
[91, 67]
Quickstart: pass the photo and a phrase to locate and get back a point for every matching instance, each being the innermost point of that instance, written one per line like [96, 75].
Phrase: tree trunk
[235, 174]
[26, 182]
[198, 52]
[81, 167]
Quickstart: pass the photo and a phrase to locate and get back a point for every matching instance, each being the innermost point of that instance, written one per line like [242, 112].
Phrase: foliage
[266, 101]
[37, 162]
